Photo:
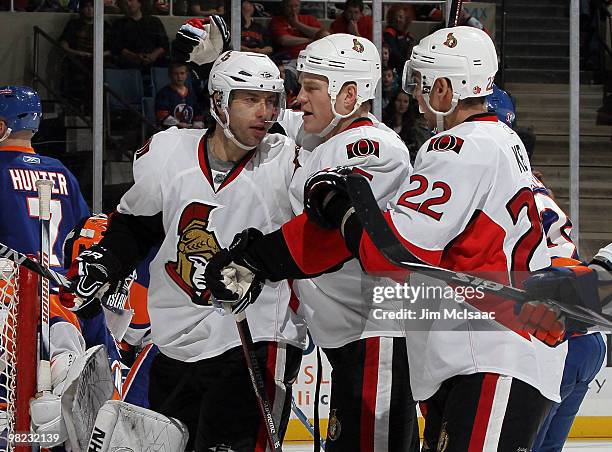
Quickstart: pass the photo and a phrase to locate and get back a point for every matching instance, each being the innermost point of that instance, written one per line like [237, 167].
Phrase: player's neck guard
[337, 117]
[6, 134]
[439, 114]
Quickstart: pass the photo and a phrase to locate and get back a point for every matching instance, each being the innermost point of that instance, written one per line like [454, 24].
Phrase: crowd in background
[137, 40]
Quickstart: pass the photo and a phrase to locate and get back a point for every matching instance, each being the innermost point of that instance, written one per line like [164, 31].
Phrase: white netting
[9, 292]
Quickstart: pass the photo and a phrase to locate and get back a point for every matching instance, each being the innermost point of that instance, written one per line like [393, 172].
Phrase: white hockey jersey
[468, 206]
[337, 306]
[201, 214]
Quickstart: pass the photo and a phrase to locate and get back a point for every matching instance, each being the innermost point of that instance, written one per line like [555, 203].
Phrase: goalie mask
[243, 71]
[465, 56]
[343, 58]
[87, 232]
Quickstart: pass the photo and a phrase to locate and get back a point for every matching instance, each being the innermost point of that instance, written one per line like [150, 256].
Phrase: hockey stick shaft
[393, 250]
[305, 421]
[455, 8]
[257, 381]
[21, 259]
[44, 188]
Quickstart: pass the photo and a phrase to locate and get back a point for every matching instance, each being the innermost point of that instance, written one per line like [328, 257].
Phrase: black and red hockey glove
[326, 201]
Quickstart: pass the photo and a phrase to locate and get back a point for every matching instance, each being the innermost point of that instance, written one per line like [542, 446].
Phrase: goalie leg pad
[88, 386]
[123, 426]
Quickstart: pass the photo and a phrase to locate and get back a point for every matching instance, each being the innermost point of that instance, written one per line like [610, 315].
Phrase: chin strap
[337, 117]
[226, 127]
[6, 134]
[439, 114]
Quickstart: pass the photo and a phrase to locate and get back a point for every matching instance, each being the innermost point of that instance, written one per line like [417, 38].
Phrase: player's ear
[349, 96]
[442, 88]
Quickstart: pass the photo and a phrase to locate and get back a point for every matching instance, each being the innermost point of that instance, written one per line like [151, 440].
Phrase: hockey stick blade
[390, 246]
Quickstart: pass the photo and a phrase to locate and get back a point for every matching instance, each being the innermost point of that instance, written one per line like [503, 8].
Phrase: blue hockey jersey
[20, 167]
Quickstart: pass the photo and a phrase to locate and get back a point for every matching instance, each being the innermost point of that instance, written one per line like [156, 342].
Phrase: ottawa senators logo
[362, 148]
[443, 439]
[445, 143]
[195, 247]
[451, 41]
[334, 428]
[357, 46]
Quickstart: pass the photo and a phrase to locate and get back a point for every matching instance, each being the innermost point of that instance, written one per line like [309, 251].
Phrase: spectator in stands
[176, 104]
[353, 21]
[292, 87]
[60, 6]
[207, 7]
[390, 85]
[140, 40]
[384, 56]
[161, 7]
[77, 40]
[254, 37]
[293, 31]
[110, 7]
[403, 117]
[396, 35]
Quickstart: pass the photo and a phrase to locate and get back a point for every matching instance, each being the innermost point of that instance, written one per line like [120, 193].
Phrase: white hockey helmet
[464, 55]
[343, 58]
[235, 70]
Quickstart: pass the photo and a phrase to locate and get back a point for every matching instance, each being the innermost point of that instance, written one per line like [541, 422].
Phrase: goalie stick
[53, 276]
[388, 244]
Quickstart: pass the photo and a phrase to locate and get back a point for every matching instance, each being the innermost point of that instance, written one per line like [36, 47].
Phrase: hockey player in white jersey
[193, 191]
[468, 206]
[371, 407]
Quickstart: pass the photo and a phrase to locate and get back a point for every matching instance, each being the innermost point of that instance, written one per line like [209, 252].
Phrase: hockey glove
[201, 41]
[326, 201]
[231, 276]
[90, 273]
[543, 321]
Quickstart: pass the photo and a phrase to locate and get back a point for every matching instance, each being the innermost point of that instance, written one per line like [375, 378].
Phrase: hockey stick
[257, 380]
[44, 188]
[304, 420]
[455, 9]
[53, 276]
[23, 260]
[388, 244]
